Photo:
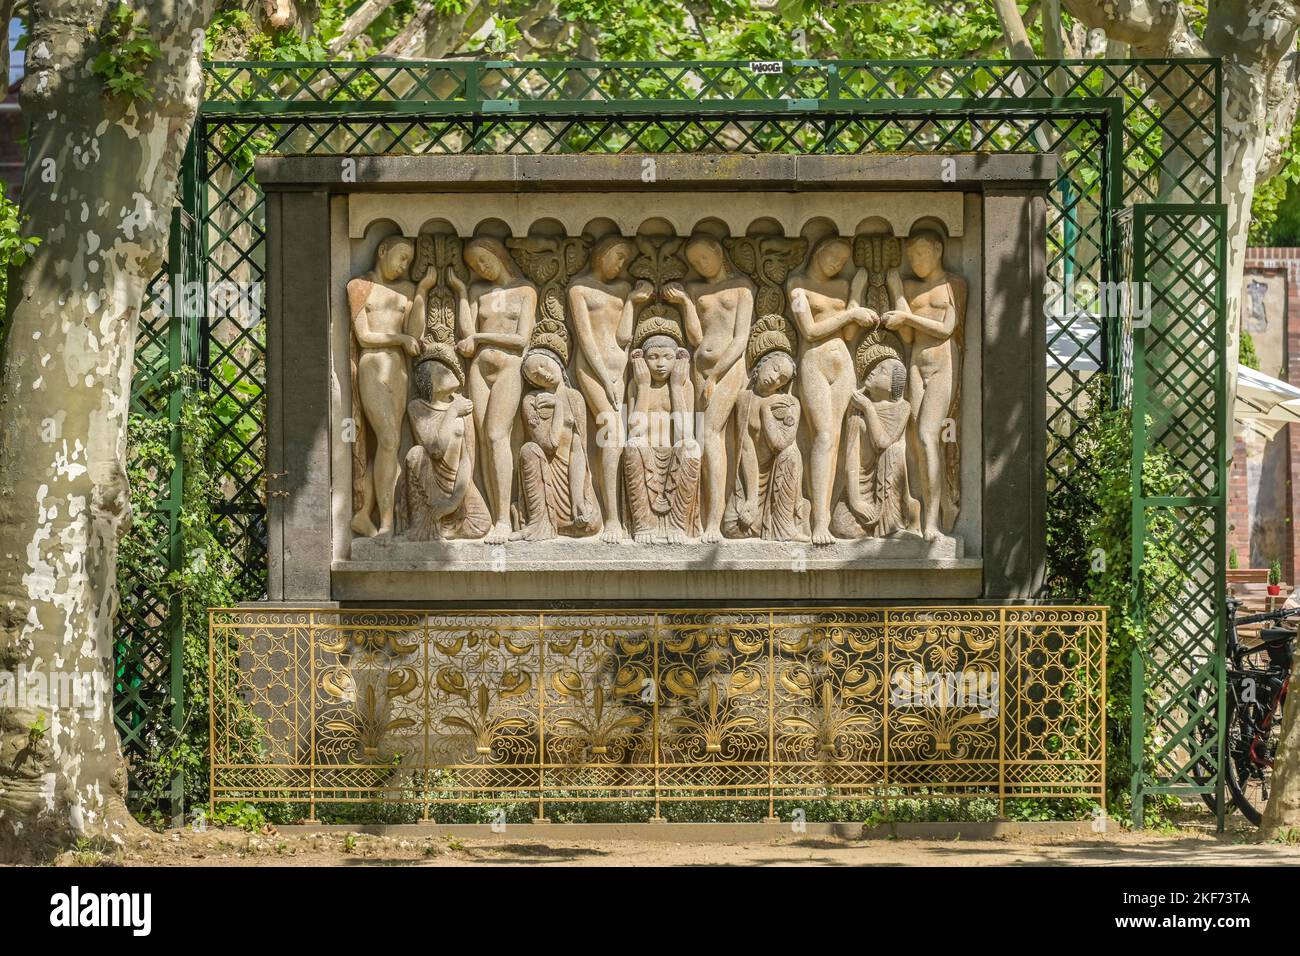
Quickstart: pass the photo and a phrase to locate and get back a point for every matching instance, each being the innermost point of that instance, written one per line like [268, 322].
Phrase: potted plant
[1275, 578]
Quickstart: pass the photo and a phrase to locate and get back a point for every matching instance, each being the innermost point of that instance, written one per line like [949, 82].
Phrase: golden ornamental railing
[430, 708]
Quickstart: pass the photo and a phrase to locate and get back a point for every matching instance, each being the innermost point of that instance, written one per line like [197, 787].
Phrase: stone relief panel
[659, 388]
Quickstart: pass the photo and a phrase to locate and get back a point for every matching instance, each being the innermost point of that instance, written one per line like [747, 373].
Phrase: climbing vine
[15, 249]
[1090, 541]
[126, 55]
[209, 576]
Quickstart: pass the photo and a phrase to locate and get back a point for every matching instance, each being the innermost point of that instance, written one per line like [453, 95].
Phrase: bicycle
[1255, 698]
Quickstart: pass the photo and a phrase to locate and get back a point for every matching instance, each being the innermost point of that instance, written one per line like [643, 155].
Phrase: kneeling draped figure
[557, 494]
[441, 499]
[877, 502]
[767, 494]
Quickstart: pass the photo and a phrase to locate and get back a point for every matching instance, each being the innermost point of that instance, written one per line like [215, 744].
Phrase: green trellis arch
[1138, 198]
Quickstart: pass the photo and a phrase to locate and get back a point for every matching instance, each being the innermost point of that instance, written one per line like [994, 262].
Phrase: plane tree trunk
[98, 191]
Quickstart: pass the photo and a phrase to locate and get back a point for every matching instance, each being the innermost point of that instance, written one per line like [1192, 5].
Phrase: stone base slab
[569, 569]
[905, 552]
[884, 581]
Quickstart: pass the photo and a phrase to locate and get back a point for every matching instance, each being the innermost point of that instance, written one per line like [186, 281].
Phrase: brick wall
[1284, 260]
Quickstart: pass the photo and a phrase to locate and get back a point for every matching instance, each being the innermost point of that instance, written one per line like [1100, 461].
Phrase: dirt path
[235, 848]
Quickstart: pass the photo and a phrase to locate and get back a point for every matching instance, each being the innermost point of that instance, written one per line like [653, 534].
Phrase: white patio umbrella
[1264, 404]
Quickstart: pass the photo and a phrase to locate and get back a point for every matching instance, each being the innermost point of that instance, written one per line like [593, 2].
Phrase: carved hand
[747, 512]
[894, 319]
[643, 292]
[866, 318]
[859, 398]
[467, 346]
[681, 369]
[640, 370]
[894, 283]
[706, 390]
[674, 293]
[799, 300]
[461, 406]
[411, 345]
[455, 281]
[545, 400]
[429, 281]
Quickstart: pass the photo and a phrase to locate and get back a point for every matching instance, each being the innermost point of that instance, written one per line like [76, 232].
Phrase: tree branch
[280, 14]
[6, 14]
[1056, 44]
[1280, 103]
[1257, 40]
[412, 34]
[998, 45]
[1013, 30]
[1148, 25]
[357, 24]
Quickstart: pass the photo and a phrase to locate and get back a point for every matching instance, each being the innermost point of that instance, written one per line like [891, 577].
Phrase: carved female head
[542, 369]
[433, 380]
[886, 381]
[774, 372]
[880, 367]
[925, 253]
[830, 256]
[611, 256]
[707, 258]
[489, 259]
[393, 257]
[660, 353]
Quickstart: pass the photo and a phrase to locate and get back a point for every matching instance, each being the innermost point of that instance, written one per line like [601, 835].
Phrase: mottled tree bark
[1013, 29]
[99, 189]
[1283, 810]
[6, 14]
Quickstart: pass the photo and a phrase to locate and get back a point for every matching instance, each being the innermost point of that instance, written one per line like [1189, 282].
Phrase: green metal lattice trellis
[1138, 198]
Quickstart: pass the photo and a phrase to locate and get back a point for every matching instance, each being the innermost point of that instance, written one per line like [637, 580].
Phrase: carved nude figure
[601, 307]
[767, 498]
[827, 317]
[555, 482]
[387, 318]
[661, 464]
[877, 502]
[930, 312]
[718, 312]
[494, 320]
[441, 498]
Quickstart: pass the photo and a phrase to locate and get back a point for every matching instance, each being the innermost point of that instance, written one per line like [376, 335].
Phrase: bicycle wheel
[1250, 755]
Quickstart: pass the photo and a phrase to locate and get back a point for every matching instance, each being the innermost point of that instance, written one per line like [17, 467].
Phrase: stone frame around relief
[313, 220]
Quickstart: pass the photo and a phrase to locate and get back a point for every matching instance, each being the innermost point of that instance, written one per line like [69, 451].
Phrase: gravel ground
[1184, 847]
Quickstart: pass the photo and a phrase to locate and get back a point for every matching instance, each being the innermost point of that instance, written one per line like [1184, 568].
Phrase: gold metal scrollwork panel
[423, 708]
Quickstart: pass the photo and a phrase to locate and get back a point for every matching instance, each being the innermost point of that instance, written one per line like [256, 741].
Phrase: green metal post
[1222, 461]
[1137, 664]
[184, 263]
[176, 482]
